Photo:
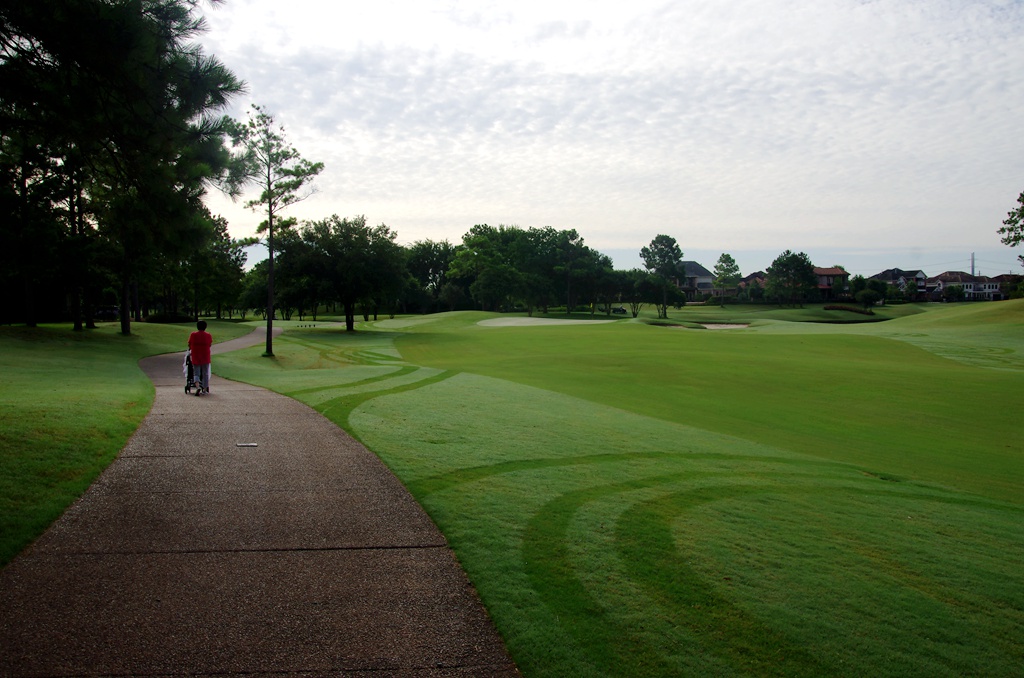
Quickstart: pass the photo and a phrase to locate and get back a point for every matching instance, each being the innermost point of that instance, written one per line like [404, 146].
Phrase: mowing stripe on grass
[617, 518]
[548, 541]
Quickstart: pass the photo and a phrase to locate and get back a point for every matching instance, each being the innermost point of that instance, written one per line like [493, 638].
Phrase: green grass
[70, 402]
[792, 499]
[844, 397]
[810, 313]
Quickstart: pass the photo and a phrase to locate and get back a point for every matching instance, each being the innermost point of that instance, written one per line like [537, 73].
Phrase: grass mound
[608, 543]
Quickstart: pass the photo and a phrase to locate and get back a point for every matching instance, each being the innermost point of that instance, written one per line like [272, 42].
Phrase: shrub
[851, 309]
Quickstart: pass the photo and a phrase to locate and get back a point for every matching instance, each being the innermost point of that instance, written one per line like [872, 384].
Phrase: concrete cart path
[242, 533]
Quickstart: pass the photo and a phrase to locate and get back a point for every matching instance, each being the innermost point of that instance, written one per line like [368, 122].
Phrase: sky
[870, 134]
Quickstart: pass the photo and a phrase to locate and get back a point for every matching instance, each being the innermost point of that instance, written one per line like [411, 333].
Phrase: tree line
[112, 131]
[345, 266]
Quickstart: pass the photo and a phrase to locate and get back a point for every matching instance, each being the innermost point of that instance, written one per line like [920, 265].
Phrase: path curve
[242, 533]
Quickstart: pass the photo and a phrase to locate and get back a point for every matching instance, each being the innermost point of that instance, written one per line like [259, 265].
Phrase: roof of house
[956, 277]
[893, 274]
[691, 269]
[835, 270]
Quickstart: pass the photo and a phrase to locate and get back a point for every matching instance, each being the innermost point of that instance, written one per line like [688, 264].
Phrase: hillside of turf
[795, 498]
[792, 499]
[911, 408]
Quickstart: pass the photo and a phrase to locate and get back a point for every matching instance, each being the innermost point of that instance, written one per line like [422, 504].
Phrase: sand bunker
[532, 322]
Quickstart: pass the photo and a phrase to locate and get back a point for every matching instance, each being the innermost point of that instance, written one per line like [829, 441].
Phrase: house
[976, 287]
[905, 279]
[832, 282]
[758, 277]
[752, 286]
[1008, 283]
[697, 282]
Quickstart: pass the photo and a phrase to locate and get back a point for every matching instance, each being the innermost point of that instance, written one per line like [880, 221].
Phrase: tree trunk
[195, 295]
[30, 301]
[126, 318]
[270, 285]
[136, 307]
[75, 302]
[75, 219]
[350, 316]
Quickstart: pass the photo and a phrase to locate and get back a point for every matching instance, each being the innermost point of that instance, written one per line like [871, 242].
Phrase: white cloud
[729, 124]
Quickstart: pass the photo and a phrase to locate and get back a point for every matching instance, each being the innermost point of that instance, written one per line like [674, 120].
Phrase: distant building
[976, 287]
[1008, 283]
[752, 285]
[832, 282]
[758, 276]
[904, 279]
[697, 282]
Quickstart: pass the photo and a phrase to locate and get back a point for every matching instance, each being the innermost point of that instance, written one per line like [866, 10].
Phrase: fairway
[789, 499]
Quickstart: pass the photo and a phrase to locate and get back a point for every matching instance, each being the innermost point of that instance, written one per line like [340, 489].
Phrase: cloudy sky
[868, 133]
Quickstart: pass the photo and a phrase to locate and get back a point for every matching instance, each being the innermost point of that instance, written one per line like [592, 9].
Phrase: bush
[851, 309]
[868, 297]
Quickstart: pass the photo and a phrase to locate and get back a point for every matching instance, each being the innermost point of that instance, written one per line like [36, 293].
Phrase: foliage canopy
[110, 134]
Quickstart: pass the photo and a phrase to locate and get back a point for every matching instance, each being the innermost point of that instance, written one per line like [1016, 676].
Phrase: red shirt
[199, 343]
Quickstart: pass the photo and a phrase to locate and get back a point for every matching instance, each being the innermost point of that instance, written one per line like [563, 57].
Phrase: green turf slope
[793, 499]
[889, 406]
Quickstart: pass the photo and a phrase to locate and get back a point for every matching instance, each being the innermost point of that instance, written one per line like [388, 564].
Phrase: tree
[527, 267]
[428, 262]
[486, 248]
[254, 289]
[727, 274]
[791, 277]
[111, 106]
[633, 282]
[451, 295]
[504, 265]
[361, 264]
[496, 287]
[664, 260]
[539, 256]
[953, 293]
[883, 288]
[572, 258]
[752, 290]
[1013, 227]
[282, 176]
[603, 282]
[857, 283]
[217, 268]
[868, 297]
[301, 282]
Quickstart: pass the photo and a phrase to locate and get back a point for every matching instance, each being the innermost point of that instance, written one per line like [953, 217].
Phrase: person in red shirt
[199, 344]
